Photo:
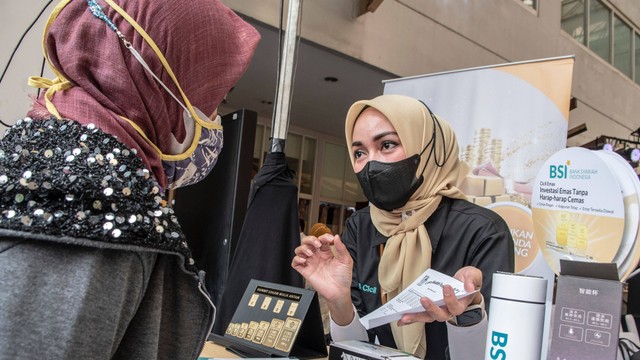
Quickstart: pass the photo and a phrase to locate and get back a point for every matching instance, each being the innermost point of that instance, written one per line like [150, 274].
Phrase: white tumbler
[516, 317]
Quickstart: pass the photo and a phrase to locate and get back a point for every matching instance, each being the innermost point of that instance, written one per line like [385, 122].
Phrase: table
[212, 350]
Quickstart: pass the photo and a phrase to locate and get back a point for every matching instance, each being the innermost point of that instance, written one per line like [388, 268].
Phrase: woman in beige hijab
[406, 160]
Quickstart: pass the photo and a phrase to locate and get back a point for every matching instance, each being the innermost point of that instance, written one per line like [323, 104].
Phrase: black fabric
[268, 238]
[67, 181]
[461, 233]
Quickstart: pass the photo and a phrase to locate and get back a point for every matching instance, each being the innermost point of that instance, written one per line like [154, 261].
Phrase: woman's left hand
[472, 279]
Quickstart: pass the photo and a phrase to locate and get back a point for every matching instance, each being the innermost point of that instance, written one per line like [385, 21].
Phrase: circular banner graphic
[518, 218]
[577, 208]
[629, 252]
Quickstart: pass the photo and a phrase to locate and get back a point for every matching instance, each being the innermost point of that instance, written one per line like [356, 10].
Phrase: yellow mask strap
[165, 64]
[163, 156]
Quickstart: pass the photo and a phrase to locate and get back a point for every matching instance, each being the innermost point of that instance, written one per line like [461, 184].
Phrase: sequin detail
[60, 178]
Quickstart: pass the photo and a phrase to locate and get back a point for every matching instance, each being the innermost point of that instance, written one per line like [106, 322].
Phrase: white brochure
[429, 284]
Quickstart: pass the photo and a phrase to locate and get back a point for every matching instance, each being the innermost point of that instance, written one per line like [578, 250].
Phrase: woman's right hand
[328, 272]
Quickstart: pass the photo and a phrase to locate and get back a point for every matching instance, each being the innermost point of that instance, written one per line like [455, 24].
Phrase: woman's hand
[472, 279]
[328, 272]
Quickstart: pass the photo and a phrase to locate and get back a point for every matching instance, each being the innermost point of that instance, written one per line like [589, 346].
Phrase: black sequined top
[59, 179]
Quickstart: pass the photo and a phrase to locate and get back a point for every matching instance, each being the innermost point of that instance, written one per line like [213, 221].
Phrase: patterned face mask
[204, 157]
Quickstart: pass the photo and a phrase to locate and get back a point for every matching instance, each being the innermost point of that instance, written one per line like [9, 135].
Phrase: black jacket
[461, 234]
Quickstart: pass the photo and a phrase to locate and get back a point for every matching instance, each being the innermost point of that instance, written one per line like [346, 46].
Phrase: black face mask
[389, 186]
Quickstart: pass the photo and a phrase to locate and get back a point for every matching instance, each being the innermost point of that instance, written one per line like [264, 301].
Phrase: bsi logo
[559, 171]
[498, 343]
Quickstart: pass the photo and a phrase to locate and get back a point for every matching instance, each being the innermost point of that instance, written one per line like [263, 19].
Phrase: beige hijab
[407, 253]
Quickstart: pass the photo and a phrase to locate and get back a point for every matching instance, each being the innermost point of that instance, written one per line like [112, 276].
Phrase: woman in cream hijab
[406, 160]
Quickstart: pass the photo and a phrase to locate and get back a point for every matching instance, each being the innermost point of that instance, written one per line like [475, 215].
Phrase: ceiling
[316, 104]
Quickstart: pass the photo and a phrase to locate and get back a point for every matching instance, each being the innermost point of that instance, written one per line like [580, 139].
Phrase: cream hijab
[407, 253]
